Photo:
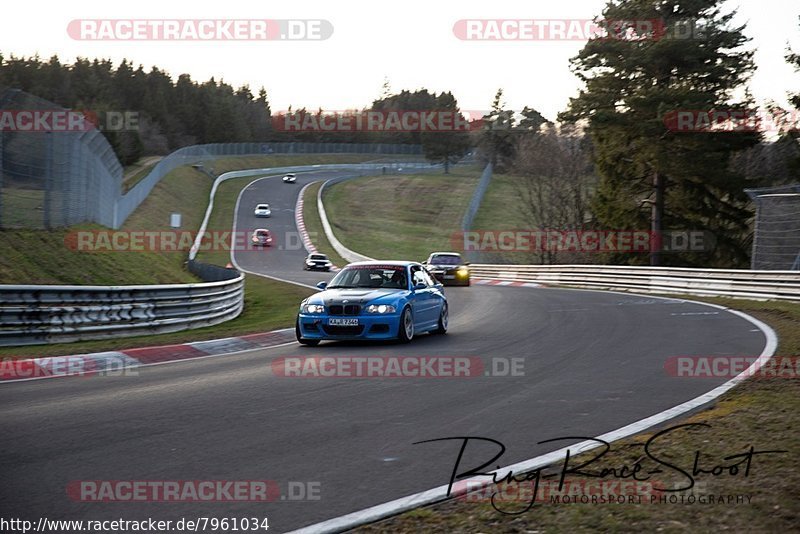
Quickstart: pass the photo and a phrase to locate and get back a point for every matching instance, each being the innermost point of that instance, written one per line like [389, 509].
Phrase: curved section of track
[592, 362]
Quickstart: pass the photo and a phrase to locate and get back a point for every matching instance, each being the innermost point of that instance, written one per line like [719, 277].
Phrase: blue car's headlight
[314, 308]
[381, 308]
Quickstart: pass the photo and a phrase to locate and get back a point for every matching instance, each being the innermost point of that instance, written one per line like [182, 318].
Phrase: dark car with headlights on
[317, 262]
[449, 268]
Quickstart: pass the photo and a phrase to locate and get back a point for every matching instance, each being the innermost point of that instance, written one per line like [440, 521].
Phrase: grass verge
[135, 173]
[44, 256]
[39, 257]
[762, 412]
[400, 216]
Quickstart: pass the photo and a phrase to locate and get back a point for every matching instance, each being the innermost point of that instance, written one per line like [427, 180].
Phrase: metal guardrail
[363, 167]
[32, 315]
[782, 285]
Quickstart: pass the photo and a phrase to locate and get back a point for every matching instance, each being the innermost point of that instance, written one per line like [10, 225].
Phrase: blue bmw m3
[374, 300]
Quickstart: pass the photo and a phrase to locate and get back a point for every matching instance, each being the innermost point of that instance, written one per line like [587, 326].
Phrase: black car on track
[448, 268]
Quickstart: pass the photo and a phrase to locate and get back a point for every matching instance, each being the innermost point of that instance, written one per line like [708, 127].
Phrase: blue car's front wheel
[406, 328]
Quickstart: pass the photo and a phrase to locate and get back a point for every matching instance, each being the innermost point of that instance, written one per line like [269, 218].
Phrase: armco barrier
[31, 315]
[783, 285]
[360, 167]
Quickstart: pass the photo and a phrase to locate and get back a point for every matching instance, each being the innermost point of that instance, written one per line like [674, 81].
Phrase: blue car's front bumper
[315, 326]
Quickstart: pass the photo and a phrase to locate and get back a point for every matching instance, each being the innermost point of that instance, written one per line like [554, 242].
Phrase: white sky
[410, 42]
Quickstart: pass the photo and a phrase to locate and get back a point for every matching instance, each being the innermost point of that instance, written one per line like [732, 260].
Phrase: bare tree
[554, 182]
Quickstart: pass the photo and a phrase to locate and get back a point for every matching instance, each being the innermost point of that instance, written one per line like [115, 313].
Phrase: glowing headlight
[462, 271]
[314, 308]
[380, 308]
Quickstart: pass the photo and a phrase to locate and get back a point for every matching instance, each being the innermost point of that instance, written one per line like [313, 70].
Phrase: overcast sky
[410, 42]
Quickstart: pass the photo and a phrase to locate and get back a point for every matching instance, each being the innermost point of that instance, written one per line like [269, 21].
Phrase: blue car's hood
[356, 296]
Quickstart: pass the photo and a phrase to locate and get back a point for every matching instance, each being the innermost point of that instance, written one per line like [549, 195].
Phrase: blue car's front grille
[343, 330]
[347, 309]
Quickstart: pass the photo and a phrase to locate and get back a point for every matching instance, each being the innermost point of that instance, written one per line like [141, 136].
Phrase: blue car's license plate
[342, 322]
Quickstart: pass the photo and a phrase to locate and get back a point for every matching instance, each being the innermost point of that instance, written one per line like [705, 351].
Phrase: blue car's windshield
[381, 276]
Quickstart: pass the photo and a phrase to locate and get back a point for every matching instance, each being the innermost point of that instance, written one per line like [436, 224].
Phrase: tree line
[614, 160]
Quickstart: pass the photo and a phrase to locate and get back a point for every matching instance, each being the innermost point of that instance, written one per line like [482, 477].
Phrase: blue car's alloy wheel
[444, 316]
[406, 329]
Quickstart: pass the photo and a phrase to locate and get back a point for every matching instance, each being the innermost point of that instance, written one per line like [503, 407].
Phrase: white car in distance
[262, 210]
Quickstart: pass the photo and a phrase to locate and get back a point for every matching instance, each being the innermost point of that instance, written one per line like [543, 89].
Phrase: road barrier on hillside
[783, 285]
[40, 314]
[477, 198]
[57, 169]
[360, 167]
[32, 315]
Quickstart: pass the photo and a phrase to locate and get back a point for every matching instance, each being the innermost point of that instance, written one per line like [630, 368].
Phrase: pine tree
[496, 137]
[446, 147]
[632, 83]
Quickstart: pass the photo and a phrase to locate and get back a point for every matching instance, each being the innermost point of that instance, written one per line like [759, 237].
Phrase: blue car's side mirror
[322, 285]
[420, 285]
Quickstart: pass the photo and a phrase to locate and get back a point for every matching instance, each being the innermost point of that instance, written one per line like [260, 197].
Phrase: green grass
[43, 257]
[763, 412]
[22, 207]
[502, 207]
[400, 216]
[314, 226]
[135, 173]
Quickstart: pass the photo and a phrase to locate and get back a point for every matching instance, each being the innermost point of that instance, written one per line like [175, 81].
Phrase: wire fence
[776, 239]
[51, 177]
[475, 204]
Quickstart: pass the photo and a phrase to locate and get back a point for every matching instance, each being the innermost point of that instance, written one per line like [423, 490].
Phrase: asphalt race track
[593, 362]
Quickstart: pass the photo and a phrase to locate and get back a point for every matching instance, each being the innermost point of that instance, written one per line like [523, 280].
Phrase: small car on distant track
[448, 268]
[374, 300]
[290, 178]
[262, 237]
[262, 210]
[317, 261]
